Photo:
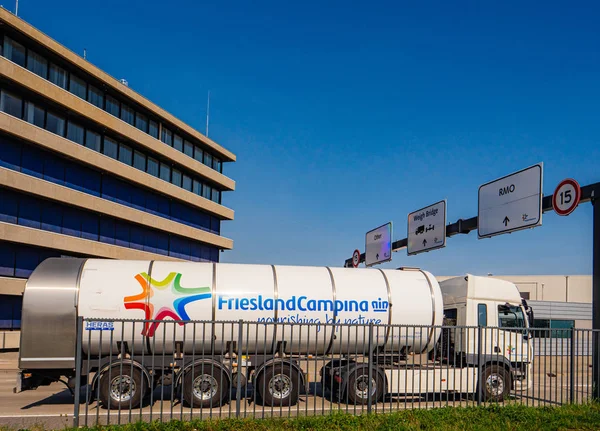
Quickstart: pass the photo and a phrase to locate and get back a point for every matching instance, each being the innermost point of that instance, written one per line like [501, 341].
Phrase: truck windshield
[511, 316]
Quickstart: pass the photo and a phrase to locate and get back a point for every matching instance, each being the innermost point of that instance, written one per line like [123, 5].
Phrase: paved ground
[53, 405]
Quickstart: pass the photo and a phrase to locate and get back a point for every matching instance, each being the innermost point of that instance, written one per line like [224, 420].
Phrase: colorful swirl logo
[142, 301]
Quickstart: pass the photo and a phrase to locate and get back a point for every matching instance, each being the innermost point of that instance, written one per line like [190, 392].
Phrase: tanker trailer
[297, 312]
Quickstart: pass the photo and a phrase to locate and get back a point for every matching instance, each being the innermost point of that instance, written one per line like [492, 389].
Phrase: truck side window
[450, 316]
[510, 316]
[482, 314]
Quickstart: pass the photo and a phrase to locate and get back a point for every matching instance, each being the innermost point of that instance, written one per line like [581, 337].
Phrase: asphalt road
[53, 405]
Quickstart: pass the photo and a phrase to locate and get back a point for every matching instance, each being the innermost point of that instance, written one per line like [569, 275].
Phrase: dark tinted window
[176, 177]
[198, 154]
[125, 154]
[112, 106]
[93, 140]
[153, 166]
[167, 136]
[37, 64]
[11, 104]
[127, 114]
[139, 161]
[34, 114]
[55, 123]
[141, 122]
[165, 172]
[178, 143]
[77, 86]
[153, 129]
[95, 97]
[58, 76]
[14, 51]
[188, 148]
[187, 183]
[110, 148]
[75, 133]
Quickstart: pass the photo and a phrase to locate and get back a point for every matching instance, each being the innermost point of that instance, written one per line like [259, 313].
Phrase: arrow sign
[424, 243]
[505, 221]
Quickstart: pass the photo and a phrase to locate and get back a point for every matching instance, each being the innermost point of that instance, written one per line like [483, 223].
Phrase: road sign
[356, 258]
[511, 203]
[427, 228]
[378, 245]
[566, 197]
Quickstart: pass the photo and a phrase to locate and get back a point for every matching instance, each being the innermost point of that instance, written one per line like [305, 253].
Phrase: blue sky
[345, 115]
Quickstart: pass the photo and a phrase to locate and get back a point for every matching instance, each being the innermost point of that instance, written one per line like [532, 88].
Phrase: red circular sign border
[577, 187]
[356, 251]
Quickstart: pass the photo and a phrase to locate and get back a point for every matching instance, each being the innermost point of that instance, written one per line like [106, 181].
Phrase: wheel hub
[361, 387]
[205, 387]
[280, 386]
[122, 388]
[495, 384]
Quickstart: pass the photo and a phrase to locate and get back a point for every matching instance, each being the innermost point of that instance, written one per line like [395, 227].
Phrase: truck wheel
[358, 386]
[495, 384]
[121, 387]
[206, 387]
[278, 386]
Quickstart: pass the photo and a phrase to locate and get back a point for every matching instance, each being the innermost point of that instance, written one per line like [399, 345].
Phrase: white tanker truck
[298, 312]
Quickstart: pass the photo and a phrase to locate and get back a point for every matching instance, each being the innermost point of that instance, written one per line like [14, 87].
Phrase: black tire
[278, 385]
[206, 386]
[495, 384]
[358, 386]
[121, 387]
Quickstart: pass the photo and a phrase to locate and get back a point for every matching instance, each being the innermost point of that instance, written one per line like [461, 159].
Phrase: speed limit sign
[356, 258]
[566, 197]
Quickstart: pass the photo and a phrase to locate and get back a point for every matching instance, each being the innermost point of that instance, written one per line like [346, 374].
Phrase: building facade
[88, 167]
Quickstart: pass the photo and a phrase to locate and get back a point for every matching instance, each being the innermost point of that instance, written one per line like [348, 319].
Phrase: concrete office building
[88, 167]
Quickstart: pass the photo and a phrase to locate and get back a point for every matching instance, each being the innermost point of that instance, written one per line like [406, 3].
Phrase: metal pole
[370, 384]
[17, 8]
[480, 382]
[572, 368]
[238, 384]
[596, 300]
[78, 359]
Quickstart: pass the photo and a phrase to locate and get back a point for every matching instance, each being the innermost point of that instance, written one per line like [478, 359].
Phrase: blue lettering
[253, 305]
[269, 304]
[300, 306]
[222, 301]
[244, 303]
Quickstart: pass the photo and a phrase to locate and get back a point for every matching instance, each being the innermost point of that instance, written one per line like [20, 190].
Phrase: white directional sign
[378, 245]
[511, 203]
[427, 228]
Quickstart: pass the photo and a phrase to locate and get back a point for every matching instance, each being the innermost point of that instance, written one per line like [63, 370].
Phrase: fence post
[480, 383]
[238, 384]
[370, 363]
[78, 358]
[572, 368]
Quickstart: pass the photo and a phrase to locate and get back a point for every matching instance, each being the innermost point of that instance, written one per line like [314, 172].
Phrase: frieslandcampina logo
[143, 301]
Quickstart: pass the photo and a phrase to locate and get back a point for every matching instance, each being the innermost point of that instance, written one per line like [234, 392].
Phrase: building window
[93, 140]
[37, 64]
[167, 136]
[55, 124]
[165, 172]
[95, 97]
[153, 129]
[77, 86]
[75, 133]
[198, 154]
[139, 161]
[481, 314]
[187, 182]
[216, 196]
[217, 166]
[112, 106]
[188, 149]
[153, 166]
[34, 114]
[206, 191]
[178, 143]
[125, 154]
[546, 328]
[176, 177]
[14, 51]
[208, 159]
[11, 104]
[127, 114]
[58, 76]
[141, 122]
[110, 148]
[197, 187]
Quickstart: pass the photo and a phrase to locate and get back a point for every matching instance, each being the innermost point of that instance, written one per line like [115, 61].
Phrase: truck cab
[490, 330]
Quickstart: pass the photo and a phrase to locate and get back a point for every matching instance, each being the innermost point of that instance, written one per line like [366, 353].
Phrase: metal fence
[148, 370]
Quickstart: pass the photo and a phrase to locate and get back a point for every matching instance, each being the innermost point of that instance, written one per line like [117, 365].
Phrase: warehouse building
[88, 167]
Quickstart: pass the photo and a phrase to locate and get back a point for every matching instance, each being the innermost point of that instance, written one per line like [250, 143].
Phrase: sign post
[378, 245]
[510, 203]
[566, 197]
[356, 258]
[427, 229]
